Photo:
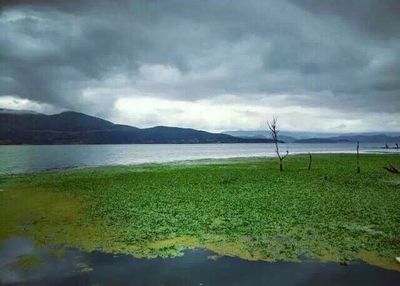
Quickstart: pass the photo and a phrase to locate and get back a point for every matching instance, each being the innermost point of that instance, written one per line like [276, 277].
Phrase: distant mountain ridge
[260, 134]
[319, 137]
[77, 128]
[20, 111]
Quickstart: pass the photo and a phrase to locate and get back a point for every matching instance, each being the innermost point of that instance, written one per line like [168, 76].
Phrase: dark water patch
[72, 267]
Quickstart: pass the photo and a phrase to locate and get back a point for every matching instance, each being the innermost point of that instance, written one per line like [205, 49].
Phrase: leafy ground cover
[244, 208]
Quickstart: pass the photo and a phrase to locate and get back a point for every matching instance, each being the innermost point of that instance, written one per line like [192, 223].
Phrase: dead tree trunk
[392, 169]
[358, 157]
[310, 161]
[274, 134]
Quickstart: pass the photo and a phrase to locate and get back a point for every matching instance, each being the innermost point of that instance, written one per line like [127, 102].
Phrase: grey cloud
[342, 55]
[375, 18]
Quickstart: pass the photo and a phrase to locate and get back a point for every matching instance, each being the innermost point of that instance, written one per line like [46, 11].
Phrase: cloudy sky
[330, 65]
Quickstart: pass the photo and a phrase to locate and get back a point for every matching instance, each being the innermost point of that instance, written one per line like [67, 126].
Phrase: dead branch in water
[392, 169]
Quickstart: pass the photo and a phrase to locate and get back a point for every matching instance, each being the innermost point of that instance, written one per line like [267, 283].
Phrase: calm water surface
[30, 158]
[194, 268]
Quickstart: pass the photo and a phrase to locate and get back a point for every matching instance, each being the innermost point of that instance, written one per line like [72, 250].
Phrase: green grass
[245, 208]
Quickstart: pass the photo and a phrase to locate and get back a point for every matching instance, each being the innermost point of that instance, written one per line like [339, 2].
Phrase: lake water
[195, 268]
[33, 158]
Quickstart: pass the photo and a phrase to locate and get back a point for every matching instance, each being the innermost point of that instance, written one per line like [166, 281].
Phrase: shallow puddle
[21, 263]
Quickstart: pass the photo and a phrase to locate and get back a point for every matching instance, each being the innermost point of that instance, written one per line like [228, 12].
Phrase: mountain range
[320, 137]
[27, 127]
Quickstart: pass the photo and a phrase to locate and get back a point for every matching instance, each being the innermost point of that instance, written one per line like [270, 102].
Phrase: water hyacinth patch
[244, 208]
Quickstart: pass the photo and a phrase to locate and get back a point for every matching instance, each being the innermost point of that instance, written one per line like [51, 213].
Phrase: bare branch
[358, 157]
[392, 169]
[287, 154]
[272, 126]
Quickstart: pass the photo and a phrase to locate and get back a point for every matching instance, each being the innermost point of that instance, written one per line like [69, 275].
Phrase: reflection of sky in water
[194, 268]
[19, 159]
[51, 266]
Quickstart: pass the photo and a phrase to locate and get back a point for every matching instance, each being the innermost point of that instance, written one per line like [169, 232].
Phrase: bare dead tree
[392, 169]
[310, 161]
[272, 126]
[358, 157]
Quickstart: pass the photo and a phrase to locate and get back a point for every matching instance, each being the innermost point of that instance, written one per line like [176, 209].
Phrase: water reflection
[50, 264]
[194, 268]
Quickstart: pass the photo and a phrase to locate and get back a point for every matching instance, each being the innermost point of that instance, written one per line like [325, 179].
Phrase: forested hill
[26, 127]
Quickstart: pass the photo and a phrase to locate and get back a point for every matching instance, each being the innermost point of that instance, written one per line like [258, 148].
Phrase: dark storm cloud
[344, 55]
[376, 18]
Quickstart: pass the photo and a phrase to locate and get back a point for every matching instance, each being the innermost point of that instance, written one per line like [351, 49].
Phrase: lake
[35, 158]
[73, 267]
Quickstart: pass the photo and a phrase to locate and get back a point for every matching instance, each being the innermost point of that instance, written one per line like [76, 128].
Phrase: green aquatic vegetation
[244, 208]
[83, 267]
[26, 262]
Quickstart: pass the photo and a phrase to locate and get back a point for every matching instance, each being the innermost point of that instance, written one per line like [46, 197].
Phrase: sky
[331, 65]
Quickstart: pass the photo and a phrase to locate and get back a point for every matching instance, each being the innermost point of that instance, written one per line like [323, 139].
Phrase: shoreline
[209, 160]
